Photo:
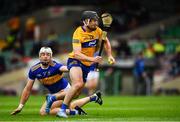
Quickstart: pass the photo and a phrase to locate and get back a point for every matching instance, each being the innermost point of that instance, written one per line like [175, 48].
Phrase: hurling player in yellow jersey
[85, 41]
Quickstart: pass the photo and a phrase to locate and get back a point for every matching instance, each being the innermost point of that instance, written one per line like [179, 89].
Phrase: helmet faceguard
[45, 61]
[87, 16]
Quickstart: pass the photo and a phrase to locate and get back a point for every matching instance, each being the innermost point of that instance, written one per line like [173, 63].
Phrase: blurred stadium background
[140, 28]
[137, 27]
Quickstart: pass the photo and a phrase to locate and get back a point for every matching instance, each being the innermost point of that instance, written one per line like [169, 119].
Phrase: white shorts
[93, 75]
[67, 87]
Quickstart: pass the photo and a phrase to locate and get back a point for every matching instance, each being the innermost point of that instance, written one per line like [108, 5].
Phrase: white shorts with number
[93, 75]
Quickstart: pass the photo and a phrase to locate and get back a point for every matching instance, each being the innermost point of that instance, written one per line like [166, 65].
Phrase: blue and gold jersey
[51, 77]
[88, 42]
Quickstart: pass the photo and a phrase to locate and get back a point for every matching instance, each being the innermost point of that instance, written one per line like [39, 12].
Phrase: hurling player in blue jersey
[50, 74]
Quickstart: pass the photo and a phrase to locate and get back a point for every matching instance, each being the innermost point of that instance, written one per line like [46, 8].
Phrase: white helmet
[45, 50]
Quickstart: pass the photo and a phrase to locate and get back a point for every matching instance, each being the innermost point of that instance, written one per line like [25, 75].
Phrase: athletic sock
[73, 112]
[93, 98]
[64, 106]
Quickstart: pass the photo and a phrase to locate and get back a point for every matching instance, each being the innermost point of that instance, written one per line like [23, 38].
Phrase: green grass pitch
[115, 108]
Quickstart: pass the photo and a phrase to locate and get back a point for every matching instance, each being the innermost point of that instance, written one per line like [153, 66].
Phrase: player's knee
[42, 112]
[91, 86]
[79, 85]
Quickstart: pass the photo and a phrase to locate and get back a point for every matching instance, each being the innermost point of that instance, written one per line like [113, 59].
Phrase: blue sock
[93, 98]
[53, 98]
[64, 106]
[73, 112]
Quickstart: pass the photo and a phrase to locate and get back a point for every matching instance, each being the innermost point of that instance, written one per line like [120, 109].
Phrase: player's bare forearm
[96, 59]
[107, 47]
[108, 50]
[24, 98]
[26, 91]
[80, 56]
[25, 95]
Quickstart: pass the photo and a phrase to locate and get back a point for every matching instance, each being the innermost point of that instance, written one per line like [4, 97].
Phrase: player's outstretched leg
[76, 111]
[49, 101]
[80, 110]
[97, 98]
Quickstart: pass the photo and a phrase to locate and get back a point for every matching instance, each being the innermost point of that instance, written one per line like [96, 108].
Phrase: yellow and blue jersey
[88, 41]
[51, 77]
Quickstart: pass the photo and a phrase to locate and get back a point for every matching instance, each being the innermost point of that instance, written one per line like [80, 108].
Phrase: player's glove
[17, 110]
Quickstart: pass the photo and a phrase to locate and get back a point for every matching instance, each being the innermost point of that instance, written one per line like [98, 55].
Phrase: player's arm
[63, 69]
[24, 97]
[81, 56]
[107, 47]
